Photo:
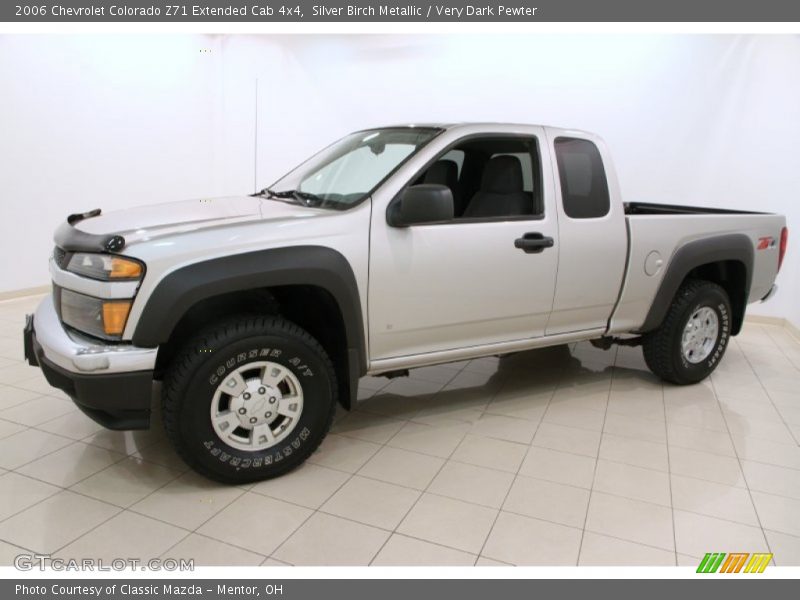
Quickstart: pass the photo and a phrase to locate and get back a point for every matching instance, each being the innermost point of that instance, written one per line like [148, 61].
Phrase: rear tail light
[782, 247]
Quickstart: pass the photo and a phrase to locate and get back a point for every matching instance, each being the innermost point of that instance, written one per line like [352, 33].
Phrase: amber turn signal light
[115, 314]
[122, 268]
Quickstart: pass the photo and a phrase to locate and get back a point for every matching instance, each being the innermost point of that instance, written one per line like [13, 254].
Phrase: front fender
[324, 267]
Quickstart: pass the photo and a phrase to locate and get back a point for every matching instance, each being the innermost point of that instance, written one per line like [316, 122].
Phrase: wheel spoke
[289, 407]
[226, 421]
[273, 374]
[262, 434]
[234, 385]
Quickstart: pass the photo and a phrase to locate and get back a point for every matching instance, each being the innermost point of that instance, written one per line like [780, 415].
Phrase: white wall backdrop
[97, 122]
[710, 120]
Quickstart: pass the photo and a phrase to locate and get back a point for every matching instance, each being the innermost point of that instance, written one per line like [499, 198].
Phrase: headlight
[106, 267]
[95, 316]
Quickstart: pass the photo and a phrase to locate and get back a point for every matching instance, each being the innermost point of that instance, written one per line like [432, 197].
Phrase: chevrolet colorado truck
[391, 249]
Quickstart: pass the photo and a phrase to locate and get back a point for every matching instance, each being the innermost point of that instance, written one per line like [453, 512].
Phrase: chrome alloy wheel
[700, 335]
[256, 406]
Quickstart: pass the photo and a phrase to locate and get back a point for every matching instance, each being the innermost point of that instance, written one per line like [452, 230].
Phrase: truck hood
[157, 220]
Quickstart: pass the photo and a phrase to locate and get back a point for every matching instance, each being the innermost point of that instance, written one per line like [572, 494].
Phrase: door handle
[533, 243]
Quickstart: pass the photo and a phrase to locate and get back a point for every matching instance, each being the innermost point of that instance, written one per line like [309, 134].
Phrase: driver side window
[495, 178]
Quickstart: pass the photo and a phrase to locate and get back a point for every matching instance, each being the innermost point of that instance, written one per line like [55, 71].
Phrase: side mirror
[424, 203]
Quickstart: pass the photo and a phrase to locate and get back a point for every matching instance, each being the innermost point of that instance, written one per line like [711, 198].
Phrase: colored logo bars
[735, 562]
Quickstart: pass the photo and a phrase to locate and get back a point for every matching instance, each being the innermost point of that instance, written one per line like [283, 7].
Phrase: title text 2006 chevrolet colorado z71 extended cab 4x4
[391, 249]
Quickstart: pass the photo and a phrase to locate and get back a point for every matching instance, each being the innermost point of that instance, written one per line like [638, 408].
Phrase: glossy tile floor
[562, 456]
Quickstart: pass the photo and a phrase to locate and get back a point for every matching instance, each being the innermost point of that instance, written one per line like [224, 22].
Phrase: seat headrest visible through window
[502, 175]
[442, 172]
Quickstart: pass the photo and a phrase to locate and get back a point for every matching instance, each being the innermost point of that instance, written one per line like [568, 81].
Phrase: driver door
[464, 283]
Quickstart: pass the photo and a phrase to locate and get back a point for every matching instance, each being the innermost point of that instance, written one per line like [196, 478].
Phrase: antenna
[255, 143]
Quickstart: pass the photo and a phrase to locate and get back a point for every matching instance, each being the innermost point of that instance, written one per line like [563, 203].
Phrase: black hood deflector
[68, 238]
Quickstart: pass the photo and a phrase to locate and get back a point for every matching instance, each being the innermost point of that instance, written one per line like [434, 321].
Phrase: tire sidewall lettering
[275, 456]
[298, 366]
[305, 366]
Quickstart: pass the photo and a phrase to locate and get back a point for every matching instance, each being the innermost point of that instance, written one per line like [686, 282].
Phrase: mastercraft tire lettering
[249, 399]
[691, 341]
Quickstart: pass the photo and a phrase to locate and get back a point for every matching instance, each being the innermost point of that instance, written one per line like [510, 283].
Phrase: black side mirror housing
[423, 203]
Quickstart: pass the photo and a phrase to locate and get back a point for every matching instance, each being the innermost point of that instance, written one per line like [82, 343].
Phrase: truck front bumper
[111, 383]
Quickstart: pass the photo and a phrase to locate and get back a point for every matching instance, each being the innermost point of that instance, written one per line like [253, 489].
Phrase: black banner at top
[508, 11]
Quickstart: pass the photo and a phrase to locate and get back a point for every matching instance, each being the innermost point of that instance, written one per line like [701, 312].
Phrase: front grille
[61, 257]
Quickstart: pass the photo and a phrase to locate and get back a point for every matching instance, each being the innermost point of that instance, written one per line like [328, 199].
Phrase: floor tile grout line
[72, 541]
[365, 476]
[203, 535]
[669, 478]
[344, 483]
[60, 489]
[440, 495]
[128, 509]
[355, 408]
[37, 396]
[23, 430]
[780, 347]
[631, 464]
[541, 447]
[22, 510]
[358, 523]
[120, 510]
[314, 511]
[17, 546]
[68, 487]
[82, 441]
[414, 504]
[411, 508]
[744, 477]
[766, 391]
[43, 456]
[516, 474]
[424, 490]
[392, 531]
[597, 458]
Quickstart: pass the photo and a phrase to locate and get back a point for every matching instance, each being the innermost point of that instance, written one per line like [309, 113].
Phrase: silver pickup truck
[391, 249]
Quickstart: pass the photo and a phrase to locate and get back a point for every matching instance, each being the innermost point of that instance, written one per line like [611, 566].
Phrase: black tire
[193, 378]
[662, 347]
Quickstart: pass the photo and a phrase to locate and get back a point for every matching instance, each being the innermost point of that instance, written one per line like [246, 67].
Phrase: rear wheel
[249, 399]
[691, 341]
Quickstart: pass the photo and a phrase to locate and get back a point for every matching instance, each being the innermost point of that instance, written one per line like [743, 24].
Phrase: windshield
[348, 170]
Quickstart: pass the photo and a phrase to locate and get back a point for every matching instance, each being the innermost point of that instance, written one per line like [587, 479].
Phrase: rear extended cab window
[584, 188]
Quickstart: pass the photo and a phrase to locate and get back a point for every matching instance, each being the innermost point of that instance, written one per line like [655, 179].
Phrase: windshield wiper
[306, 198]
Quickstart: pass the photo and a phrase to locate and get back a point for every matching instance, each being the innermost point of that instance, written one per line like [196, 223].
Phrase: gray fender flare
[319, 266]
[730, 247]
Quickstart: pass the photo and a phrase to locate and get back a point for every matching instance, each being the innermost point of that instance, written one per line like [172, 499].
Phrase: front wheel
[249, 399]
[691, 341]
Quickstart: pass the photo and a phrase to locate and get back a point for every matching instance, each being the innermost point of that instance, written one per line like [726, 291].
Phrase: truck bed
[656, 231]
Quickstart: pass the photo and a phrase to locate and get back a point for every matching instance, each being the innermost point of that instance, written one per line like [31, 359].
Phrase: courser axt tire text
[249, 398]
